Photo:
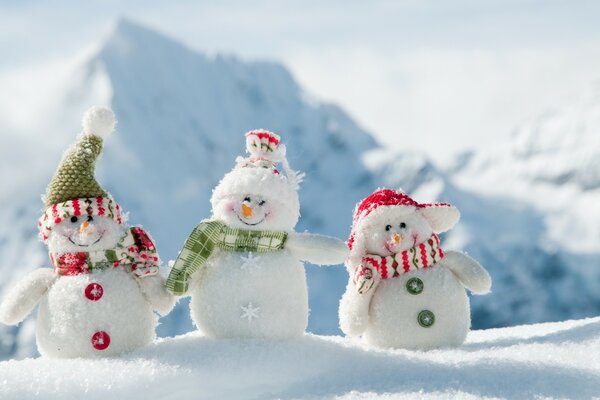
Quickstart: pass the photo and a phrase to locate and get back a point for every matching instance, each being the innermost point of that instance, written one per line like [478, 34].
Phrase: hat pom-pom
[98, 121]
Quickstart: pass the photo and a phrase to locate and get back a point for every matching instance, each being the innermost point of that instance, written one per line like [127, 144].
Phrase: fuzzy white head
[255, 195]
[85, 233]
[394, 230]
[254, 212]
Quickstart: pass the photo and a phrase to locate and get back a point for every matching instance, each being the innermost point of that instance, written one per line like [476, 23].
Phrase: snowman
[404, 291]
[244, 266]
[100, 297]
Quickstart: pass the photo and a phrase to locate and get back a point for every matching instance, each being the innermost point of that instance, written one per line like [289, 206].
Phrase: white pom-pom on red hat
[98, 121]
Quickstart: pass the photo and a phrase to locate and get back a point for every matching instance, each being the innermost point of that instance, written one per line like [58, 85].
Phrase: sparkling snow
[554, 360]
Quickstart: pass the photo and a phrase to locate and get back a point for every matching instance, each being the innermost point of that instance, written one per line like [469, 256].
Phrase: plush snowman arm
[354, 310]
[157, 294]
[469, 272]
[317, 249]
[23, 298]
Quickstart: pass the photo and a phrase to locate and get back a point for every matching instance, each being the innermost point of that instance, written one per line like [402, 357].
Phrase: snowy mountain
[527, 362]
[182, 115]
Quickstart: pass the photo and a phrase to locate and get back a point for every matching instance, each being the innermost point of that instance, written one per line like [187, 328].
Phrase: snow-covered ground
[552, 360]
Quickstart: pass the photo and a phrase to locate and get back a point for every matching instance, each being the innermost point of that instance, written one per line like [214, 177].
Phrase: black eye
[261, 203]
[248, 199]
[73, 219]
[388, 227]
[402, 225]
[90, 218]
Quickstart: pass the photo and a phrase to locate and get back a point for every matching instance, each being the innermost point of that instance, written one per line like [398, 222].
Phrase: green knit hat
[75, 176]
[74, 191]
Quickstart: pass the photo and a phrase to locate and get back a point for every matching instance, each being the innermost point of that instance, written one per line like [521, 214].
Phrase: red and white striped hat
[441, 216]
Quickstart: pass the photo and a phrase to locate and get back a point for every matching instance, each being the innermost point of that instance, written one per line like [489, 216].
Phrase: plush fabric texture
[251, 293]
[445, 214]
[262, 141]
[92, 304]
[73, 190]
[211, 234]
[252, 180]
[75, 177]
[422, 307]
[135, 250]
[424, 255]
[257, 175]
[68, 321]
[97, 206]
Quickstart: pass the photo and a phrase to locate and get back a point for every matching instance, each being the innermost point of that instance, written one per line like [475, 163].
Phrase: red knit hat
[441, 216]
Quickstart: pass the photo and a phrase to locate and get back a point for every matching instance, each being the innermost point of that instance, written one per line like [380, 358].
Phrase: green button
[414, 286]
[426, 318]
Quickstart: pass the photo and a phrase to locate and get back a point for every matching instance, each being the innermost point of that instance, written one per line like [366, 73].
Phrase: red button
[100, 340]
[94, 291]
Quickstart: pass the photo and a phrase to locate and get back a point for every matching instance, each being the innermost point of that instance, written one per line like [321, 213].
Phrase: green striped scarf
[211, 234]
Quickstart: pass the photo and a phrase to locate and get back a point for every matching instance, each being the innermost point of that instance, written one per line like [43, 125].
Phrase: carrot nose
[396, 238]
[247, 211]
[84, 227]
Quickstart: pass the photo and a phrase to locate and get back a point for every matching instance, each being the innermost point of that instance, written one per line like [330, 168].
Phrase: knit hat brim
[96, 207]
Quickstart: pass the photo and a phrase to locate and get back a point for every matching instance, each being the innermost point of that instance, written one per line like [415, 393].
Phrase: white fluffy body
[264, 295]
[67, 320]
[229, 288]
[386, 316]
[98, 121]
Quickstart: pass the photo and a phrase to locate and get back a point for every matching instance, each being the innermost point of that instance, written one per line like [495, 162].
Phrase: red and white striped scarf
[424, 255]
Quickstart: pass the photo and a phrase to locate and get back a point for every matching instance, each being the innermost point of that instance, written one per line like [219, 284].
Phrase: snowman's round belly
[258, 295]
[98, 314]
[419, 310]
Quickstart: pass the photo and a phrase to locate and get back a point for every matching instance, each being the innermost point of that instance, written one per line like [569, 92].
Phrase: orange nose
[247, 211]
[396, 238]
[84, 227]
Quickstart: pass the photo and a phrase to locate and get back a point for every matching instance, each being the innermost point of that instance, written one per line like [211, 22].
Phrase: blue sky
[439, 76]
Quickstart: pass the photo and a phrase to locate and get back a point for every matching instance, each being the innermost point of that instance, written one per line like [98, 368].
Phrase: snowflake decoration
[95, 292]
[249, 312]
[250, 262]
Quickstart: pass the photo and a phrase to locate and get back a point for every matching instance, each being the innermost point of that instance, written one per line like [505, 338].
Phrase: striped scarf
[421, 256]
[135, 250]
[211, 234]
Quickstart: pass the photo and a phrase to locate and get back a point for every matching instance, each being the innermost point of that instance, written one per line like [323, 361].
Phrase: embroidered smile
[246, 223]
[86, 245]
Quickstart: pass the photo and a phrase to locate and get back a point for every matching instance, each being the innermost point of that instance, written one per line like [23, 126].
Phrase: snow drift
[553, 360]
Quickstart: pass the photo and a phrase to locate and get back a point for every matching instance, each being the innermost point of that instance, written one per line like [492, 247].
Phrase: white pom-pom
[98, 121]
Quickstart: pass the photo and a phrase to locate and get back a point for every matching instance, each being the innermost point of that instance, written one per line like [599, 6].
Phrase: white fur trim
[98, 121]
[441, 217]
